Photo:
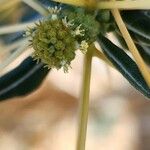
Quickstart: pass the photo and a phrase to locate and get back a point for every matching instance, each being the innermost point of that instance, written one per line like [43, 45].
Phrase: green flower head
[56, 38]
[54, 44]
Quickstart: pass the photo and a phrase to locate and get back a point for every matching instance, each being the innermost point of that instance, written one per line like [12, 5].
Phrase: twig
[141, 64]
[124, 5]
[15, 28]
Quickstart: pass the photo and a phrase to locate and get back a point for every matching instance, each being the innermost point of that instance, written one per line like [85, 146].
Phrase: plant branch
[36, 6]
[84, 103]
[15, 28]
[72, 2]
[141, 64]
[124, 5]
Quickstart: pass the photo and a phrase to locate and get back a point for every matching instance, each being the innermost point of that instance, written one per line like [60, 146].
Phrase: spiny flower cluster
[84, 22]
[54, 45]
[56, 38]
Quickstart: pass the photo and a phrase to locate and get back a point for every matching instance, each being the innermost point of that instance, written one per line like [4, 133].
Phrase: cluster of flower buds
[56, 38]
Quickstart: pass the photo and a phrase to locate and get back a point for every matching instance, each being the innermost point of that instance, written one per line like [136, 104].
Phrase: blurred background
[47, 119]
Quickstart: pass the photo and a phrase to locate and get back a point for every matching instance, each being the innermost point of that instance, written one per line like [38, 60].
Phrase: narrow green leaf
[138, 21]
[145, 52]
[22, 80]
[140, 39]
[142, 44]
[125, 65]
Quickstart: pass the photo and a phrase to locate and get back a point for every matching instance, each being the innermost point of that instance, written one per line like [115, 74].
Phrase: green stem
[15, 28]
[124, 5]
[132, 47]
[84, 104]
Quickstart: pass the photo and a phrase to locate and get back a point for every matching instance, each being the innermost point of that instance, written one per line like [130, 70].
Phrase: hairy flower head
[56, 38]
[85, 26]
[54, 44]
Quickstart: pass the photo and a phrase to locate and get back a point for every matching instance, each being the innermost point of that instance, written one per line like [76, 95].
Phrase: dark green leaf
[145, 52]
[138, 21]
[22, 80]
[140, 40]
[143, 46]
[125, 65]
[142, 43]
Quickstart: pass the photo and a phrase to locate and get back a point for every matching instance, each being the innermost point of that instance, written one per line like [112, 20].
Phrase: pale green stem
[84, 101]
[36, 6]
[139, 60]
[126, 4]
[72, 2]
[15, 28]
[13, 56]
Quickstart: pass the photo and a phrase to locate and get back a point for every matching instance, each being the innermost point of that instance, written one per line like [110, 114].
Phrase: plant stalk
[84, 103]
[15, 28]
[124, 5]
[139, 60]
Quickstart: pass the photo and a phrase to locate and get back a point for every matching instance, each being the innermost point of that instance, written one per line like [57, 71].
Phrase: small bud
[53, 40]
[83, 47]
[67, 23]
[59, 45]
[79, 31]
[62, 34]
[54, 10]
